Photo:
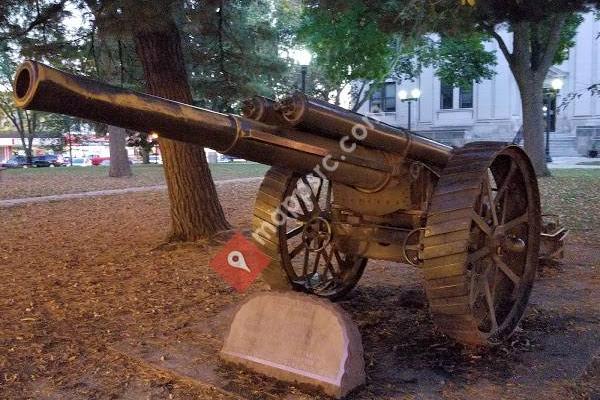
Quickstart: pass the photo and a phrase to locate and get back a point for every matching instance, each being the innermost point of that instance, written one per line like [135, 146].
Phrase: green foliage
[567, 37]
[461, 60]
[232, 49]
[347, 44]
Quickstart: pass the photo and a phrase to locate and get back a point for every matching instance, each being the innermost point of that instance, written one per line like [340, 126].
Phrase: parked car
[155, 159]
[48, 160]
[15, 162]
[81, 162]
[106, 162]
[98, 160]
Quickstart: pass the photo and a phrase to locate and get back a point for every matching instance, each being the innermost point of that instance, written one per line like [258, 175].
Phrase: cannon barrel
[313, 115]
[43, 88]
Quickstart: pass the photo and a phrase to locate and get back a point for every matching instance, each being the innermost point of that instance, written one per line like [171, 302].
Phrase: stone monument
[299, 338]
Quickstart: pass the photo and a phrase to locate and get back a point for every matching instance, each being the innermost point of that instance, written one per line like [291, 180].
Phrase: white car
[81, 162]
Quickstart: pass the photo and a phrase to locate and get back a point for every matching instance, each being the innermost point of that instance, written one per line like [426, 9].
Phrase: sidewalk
[574, 162]
[69, 196]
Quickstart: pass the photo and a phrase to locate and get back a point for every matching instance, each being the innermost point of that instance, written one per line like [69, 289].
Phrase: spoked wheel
[292, 218]
[481, 243]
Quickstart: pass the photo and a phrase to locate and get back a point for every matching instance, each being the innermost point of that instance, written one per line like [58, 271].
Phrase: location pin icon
[235, 259]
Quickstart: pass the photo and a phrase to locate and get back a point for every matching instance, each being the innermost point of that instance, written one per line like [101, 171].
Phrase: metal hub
[316, 234]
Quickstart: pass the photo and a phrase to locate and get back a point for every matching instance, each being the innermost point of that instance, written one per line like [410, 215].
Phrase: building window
[384, 99]
[446, 96]
[465, 97]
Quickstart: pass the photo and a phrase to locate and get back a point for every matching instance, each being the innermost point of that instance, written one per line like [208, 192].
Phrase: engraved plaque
[297, 338]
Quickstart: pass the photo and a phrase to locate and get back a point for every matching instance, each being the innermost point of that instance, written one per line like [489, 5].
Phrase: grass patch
[32, 182]
[575, 195]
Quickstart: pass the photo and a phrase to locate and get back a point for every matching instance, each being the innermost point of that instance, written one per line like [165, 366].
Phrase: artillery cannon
[344, 188]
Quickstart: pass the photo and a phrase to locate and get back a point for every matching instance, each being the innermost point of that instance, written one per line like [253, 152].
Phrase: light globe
[557, 83]
[302, 57]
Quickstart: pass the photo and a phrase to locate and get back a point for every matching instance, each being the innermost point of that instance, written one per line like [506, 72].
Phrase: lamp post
[552, 93]
[303, 57]
[415, 95]
[154, 137]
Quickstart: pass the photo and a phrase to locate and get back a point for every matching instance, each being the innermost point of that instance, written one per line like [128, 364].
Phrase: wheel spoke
[297, 250]
[502, 190]
[305, 264]
[316, 265]
[328, 197]
[295, 232]
[474, 289]
[338, 258]
[506, 270]
[319, 189]
[516, 222]
[490, 303]
[302, 205]
[315, 200]
[488, 186]
[478, 255]
[481, 224]
[327, 258]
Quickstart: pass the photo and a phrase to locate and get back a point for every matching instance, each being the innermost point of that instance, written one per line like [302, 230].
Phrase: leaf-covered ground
[93, 307]
[32, 182]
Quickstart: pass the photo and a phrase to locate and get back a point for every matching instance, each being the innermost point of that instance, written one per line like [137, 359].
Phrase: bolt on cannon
[345, 188]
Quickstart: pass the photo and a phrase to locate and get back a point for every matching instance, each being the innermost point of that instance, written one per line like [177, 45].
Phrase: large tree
[351, 48]
[542, 31]
[195, 208]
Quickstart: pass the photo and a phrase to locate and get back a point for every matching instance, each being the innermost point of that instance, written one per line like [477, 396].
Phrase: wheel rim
[503, 245]
[481, 243]
[308, 252]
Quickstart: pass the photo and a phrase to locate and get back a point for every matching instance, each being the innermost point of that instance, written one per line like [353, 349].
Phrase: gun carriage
[344, 188]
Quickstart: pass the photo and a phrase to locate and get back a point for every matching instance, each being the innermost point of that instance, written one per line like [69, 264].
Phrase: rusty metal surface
[554, 235]
[42, 88]
[324, 118]
[481, 243]
[262, 109]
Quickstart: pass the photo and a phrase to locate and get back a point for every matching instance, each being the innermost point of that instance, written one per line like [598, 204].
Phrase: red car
[98, 160]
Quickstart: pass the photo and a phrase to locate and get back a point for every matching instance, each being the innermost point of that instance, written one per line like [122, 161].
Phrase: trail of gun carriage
[240, 205]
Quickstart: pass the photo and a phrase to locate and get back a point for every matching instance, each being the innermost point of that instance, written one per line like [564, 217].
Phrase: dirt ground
[92, 307]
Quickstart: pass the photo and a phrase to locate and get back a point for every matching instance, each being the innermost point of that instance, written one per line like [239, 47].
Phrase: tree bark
[195, 208]
[145, 153]
[119, 161]
[530, 61]
[532, 99]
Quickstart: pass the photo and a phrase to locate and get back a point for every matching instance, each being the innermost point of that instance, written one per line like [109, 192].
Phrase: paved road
[69, 196]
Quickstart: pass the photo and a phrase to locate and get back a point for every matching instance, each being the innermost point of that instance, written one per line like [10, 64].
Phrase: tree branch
[10, 116]
[552, 44]
[501, 43]
[43, 17]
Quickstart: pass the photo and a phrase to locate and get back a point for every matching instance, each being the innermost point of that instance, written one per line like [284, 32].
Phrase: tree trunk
[195, 208]
[145, 155]
[532, 99]
[119, 161]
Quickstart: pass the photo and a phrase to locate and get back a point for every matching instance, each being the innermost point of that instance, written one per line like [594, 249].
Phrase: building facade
[491, 109]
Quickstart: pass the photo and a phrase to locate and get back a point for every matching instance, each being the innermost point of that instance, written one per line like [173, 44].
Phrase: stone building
[491, 110]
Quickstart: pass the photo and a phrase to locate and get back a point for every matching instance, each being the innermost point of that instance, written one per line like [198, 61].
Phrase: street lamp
[154, 137]
[415, 94]
[556, 84]
[303, 57]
